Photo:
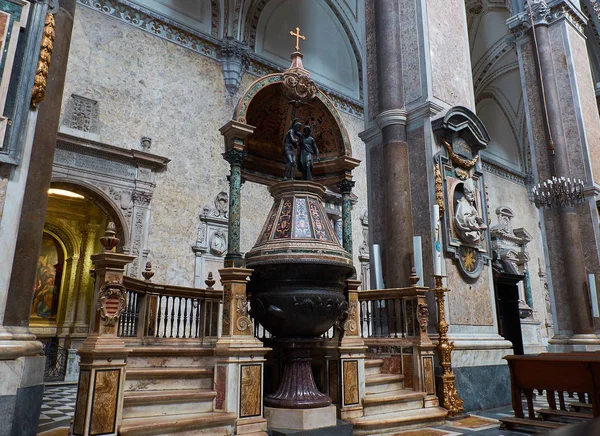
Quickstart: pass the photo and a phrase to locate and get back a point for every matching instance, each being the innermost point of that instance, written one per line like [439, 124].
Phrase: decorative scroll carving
[41, 74]
[423, 311]
[350, 325]
[83, 113]
[141, 198]
[111, 302]
[243, 323]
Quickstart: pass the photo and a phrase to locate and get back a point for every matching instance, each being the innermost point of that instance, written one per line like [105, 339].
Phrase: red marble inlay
[221, 387]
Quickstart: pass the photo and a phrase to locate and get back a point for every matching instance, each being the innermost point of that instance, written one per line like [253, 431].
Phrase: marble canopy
[266, 112]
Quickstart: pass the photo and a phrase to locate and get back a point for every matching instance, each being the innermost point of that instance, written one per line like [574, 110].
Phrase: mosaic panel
[319, 225]
[284, 225]
[301, 221]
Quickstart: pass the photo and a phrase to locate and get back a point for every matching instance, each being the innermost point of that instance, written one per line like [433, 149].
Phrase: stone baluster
[235, 133]
[346, 190]
[103, 354]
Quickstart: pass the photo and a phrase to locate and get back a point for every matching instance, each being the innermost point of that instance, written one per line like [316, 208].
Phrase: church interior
[277, 217]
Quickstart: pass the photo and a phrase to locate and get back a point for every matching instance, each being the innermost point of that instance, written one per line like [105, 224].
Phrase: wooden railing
[165, 311]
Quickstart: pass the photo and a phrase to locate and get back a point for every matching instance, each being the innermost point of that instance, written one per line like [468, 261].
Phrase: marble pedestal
[301, 419]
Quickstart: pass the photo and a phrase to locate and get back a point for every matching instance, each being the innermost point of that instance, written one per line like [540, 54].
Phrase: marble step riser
[225, 430]
[384, 387]
[167, 408]
[397, 406]
[160, 384]
[374, 370]
[398, 428]
[170, 362]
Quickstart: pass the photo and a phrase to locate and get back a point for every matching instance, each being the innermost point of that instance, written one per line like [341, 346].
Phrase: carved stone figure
[290, 144]
[308, 147]
[468, 224]
[218, 243]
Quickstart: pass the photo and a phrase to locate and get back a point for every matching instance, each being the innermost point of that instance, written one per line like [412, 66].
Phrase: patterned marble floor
[58, 408]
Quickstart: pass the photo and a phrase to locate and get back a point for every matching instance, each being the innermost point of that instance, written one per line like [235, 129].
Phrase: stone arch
[65, 236]
[100, 199]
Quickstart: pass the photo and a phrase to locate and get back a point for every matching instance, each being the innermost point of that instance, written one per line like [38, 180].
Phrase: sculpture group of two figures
[299, 142]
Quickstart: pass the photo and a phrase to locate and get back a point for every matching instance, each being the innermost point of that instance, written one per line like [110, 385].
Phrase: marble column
[346, 190]
[22, 216]
[235, 133]
[391, 120]
[564, 129]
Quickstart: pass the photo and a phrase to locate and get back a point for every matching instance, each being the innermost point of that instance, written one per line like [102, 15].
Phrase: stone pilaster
[103, 354]
[239, 370]
[352, 351]
[562, 118]
[235, 133]
[346, 191]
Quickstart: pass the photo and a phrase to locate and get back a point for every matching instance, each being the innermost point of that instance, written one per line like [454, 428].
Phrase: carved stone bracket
[234, 61]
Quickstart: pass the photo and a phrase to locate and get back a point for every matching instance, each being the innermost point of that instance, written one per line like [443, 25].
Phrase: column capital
[235, 156]
[545, 13]
[346, 186]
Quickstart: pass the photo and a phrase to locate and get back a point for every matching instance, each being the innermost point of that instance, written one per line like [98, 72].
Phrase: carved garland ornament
[439, 188]
[111, 302]
[457, 160]
[41, 74]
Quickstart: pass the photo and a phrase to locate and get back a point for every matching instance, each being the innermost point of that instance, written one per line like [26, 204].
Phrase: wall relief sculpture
[211, 240]
[461, 189]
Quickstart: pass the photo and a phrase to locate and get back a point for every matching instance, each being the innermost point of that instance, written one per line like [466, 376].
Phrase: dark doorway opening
[506, 288]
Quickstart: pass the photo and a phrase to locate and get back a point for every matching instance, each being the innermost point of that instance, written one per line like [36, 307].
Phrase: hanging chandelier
[558, 192]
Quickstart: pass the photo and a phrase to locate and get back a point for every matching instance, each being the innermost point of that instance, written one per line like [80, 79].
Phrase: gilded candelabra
[449, 396]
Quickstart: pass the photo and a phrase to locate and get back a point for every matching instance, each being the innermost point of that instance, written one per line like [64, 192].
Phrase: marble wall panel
[469, 301]
[506, 193]
[146, 86]
[4, 173]
[587, 98]
[81, 404]
[411, 55]
[371, 62]
[250, 391]
[104, 401]
[449, 53]
[333, 381]
[350, 382]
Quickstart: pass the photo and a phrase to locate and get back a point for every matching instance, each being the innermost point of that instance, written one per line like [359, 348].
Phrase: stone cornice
[557, 10]
[133, 157]
[206, 45]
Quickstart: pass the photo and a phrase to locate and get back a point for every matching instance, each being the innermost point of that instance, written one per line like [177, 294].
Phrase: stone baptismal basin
[297, 287]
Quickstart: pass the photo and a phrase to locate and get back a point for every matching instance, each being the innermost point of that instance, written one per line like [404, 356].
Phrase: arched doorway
[75, 220]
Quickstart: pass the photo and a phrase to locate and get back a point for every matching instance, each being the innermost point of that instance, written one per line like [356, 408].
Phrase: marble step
[154, 379]
[398, 421]
[389, 402]
[162, 356]
[373, 366]
[199, 424]
[160, 403]
[380, 383]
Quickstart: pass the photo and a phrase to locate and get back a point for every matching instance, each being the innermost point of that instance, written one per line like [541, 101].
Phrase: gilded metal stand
[447, 391]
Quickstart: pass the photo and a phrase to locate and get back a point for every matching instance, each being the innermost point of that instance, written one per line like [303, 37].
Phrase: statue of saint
[290, 143]
[308, 147]
[468, 224]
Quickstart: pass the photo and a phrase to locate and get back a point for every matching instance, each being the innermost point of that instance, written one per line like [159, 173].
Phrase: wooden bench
[551, 372]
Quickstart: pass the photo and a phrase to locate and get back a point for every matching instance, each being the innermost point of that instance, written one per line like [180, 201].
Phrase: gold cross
[298, 37]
